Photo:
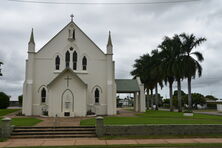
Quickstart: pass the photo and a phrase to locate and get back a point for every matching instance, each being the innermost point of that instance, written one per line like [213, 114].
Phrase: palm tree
[168, 55]
[156, 73]
[171, 64]
[178, 68]
[191, 65]
[141, 69]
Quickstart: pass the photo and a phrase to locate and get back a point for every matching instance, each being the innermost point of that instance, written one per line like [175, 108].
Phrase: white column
[136, 102]
[142, 101]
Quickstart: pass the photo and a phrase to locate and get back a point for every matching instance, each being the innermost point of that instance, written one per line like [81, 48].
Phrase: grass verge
[24, 121]
[158, 117]
[4, 112]
[191, 145]
[160, 137]
[3, 139]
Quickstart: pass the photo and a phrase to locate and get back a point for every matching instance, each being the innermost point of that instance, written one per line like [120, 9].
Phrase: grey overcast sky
[136, 29]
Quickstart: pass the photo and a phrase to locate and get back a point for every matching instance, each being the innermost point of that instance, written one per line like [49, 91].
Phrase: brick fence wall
[161, 130]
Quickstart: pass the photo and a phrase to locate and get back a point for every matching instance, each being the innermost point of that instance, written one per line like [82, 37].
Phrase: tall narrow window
[96, 95]
[74, 34]
[74, 60]
[84, 63]
[43, 95]
[57, 62]
[67, 59]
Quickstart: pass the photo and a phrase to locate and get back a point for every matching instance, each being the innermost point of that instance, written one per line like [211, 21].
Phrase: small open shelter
[137, 88]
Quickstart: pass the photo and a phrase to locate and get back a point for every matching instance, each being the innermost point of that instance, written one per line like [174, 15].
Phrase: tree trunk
[147, 99]
[156, 97]
[171, 95]
[189, 94]
[179, 95]
[151, 99]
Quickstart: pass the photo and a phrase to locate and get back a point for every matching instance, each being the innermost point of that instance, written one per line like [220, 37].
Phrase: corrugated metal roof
[126, 85]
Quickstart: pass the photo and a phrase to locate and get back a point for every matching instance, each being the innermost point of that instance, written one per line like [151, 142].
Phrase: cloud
[136, 29]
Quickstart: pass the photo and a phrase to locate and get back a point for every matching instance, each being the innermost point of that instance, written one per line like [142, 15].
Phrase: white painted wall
[100, 69]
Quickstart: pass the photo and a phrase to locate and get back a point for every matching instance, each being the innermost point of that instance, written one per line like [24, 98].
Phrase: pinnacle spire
[32, 38]
[109, 40]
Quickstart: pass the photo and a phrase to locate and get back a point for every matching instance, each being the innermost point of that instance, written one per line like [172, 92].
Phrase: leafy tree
[175, 98]
[191, 65]
[197, 98]
[210, 97]
[4, 100]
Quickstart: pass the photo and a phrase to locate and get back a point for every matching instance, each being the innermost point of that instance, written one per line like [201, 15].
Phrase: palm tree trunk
[156, 97]
[189, 93]
[171, 95]
[179, 95]
[151, 99]
[147, 99]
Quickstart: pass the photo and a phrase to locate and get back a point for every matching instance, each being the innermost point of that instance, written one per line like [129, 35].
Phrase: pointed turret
[109, 40]
[32, 38]
[31, 47]
[109, 46]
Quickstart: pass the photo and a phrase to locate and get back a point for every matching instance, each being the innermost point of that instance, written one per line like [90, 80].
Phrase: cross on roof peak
[72, 16]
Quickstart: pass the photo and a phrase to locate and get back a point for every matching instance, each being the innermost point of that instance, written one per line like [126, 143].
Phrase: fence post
[6, 127]
[99, 127]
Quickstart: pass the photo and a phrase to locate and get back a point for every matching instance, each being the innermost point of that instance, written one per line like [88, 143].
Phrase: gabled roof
[127, 85]
[64, 71]
[63, 29]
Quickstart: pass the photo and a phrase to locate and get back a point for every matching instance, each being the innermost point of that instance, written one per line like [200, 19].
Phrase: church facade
[69, 76]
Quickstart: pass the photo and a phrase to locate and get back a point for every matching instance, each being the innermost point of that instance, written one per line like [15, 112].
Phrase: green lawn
[161, 136]
[24, 121]
[4, 112]
[158, 117]
[19, 121]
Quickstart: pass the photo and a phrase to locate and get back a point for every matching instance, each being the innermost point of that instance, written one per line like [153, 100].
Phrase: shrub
[89, 112]
[4, 100]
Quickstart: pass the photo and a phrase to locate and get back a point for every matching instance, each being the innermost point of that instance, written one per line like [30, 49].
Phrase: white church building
[70, 76]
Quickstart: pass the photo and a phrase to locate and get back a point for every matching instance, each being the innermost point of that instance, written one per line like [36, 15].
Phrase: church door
[67, 102]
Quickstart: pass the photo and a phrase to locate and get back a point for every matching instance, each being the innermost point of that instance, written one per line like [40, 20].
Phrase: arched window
[84, 63]
[57, 62]
[43, 95]
[74, 34]
[67, 59]
[74, 60]
[97, 95]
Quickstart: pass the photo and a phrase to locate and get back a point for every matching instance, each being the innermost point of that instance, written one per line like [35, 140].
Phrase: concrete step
[53, 136]
[51, 130]
[54, 133]
[51, 127]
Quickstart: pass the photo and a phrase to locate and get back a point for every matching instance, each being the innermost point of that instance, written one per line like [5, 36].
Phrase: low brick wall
[161, 130]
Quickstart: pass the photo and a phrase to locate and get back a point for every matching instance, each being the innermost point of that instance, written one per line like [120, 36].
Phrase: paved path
[61, 121]
[95, 141]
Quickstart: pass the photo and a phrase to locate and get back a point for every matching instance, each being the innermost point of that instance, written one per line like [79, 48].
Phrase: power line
[101, 3]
